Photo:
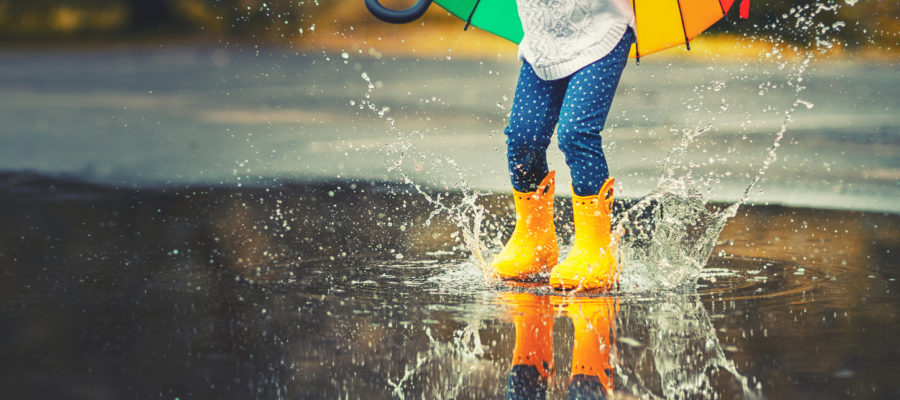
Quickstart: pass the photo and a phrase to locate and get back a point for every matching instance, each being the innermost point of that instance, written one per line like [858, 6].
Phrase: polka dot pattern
[577, 107]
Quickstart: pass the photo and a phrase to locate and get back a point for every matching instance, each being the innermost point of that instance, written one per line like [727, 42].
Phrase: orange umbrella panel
[662, 24]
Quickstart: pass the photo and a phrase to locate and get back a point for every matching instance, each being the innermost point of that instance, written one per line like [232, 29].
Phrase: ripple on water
[748, 279]
[724, 278]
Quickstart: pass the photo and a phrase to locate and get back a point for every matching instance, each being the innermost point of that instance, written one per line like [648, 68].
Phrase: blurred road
[150, 116]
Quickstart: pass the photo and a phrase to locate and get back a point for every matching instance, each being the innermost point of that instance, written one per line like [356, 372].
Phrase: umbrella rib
[683, 29]
[721, 7]
[471, 14]
[637, 51]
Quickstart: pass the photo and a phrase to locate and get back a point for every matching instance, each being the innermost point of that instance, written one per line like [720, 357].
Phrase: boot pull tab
[546, 184]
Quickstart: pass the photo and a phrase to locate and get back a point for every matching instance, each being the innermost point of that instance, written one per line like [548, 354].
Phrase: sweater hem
[584, 58]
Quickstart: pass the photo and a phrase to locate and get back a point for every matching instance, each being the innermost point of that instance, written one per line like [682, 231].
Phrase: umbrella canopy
[500, 17]
[663, 24]
[659, 24]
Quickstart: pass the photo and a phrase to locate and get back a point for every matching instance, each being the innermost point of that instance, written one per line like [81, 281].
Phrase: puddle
[341, 289]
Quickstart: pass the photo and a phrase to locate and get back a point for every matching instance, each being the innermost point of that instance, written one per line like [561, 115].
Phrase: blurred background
[141, 92]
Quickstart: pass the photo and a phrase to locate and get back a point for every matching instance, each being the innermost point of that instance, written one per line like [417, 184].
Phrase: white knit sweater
[563, 36]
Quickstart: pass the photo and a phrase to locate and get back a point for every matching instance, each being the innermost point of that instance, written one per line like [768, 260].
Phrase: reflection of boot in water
[532, 362]
[592, 373]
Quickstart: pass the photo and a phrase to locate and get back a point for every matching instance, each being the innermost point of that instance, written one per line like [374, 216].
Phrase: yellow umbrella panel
[662, 24]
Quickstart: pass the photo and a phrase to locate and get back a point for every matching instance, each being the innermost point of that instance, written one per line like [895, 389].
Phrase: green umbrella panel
[500, 17]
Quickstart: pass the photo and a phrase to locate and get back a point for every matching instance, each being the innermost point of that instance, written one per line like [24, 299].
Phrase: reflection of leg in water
[532, 362]
[594, 321]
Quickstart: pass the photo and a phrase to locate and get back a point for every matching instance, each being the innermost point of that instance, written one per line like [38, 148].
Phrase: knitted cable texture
[563, 36]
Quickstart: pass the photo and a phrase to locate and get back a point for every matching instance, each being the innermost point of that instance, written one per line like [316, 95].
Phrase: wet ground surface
[345, 289]
[232, 113]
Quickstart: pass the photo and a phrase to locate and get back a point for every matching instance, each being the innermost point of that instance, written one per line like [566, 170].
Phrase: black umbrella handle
[398, 16]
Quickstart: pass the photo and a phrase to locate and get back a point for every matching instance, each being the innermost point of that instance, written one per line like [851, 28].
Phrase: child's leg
[591, 264]
[534, 114]
[583, 115]
[532, 248]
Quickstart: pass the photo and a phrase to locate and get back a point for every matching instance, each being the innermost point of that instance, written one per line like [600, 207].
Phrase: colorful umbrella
[660, 24]
[500, 17]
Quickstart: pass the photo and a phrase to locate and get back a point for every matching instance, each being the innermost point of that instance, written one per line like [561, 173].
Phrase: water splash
[466, 214]
[669, 349]
[457, 362]
[673, 230]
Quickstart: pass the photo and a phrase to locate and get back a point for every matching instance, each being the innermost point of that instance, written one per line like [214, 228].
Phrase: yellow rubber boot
[594, 323]
[592, 262]
[532, 248]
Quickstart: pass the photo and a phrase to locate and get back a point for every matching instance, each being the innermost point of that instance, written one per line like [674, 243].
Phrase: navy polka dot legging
[577, 106]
